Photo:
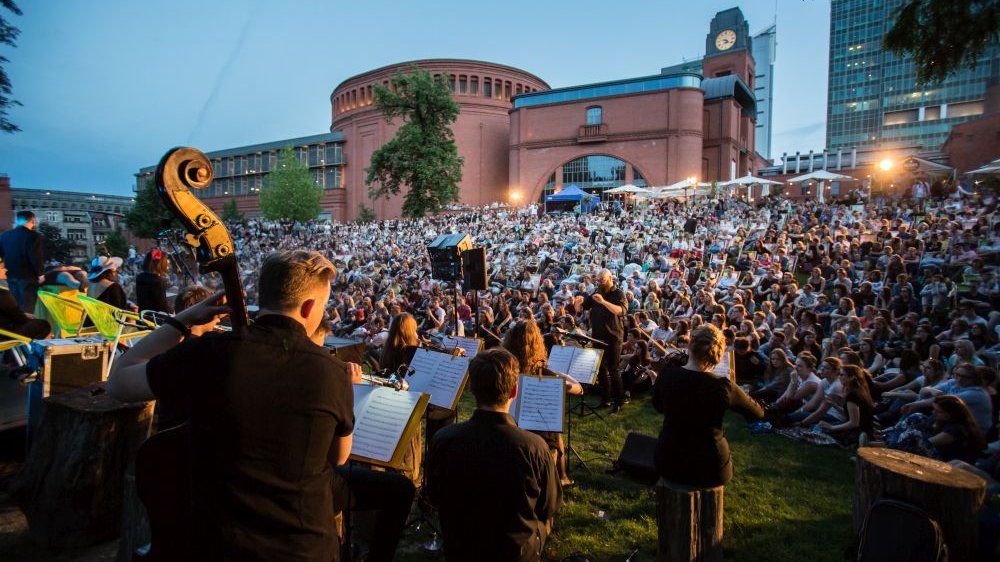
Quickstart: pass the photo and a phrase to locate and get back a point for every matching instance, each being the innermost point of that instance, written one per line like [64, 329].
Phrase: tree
[54, 246]
[288, 192]
[365, 214]
[423, 154]
[231, 214]
[115, 244]
[8, 36]
[149, 216]
[942, 36]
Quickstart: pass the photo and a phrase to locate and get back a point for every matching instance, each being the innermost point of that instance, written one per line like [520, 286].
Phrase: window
[334, 178]
[474, 86]
[594, 115]
[51, 216]
[601, 172]
[487, 88]
[463, 85]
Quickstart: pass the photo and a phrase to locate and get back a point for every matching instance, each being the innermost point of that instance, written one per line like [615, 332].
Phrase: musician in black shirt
[607, 307]
[495, 484]
[692, 449]
[271, 418]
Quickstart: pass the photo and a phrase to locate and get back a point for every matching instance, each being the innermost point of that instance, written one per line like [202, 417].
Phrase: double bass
[163, 463]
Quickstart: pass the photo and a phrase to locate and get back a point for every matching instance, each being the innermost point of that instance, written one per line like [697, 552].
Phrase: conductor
[607, 306]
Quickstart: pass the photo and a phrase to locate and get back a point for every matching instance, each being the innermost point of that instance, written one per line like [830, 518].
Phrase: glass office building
[873, 98]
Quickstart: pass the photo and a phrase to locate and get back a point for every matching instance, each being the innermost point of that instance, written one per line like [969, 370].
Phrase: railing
[592, 133]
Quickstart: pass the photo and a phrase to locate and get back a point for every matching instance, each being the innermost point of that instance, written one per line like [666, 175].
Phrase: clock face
[725, 39]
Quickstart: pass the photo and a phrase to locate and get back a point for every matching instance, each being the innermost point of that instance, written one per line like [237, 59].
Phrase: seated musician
[494, 484]
[524, 342]
[13, 319]
[271, 418]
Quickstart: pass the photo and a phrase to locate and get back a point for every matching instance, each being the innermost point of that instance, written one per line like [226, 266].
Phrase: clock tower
[727, 47]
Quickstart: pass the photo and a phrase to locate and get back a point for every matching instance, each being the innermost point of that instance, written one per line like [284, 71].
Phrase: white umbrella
[751, 180]
[993, 168]
[628, 188]
[821, 176]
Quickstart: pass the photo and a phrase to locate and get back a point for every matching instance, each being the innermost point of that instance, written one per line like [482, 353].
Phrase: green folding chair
[111, 322]
[67, 314]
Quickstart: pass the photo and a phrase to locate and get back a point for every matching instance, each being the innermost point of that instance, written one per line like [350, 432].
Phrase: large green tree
[115, 244]
[423, 155]
[54, 246]
[288, 192]
[8, 36]
[943, 36]
[149, 215]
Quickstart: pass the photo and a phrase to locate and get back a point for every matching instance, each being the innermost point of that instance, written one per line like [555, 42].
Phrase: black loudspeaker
[638, 457]
[446, 256]
[474, 274]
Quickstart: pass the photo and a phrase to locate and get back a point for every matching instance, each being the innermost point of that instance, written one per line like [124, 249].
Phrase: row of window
[68, 205]
[331, 177]
[313, 156]
[459, 84]
[596, 173]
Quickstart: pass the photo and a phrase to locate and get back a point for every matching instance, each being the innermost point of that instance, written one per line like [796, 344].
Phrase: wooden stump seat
[71, 485]
[689, 523]
[951, 495]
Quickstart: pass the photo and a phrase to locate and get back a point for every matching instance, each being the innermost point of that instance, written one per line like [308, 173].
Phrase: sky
[108, 86]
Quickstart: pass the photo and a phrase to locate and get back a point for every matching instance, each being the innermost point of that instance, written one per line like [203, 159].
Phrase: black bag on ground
[898, 531]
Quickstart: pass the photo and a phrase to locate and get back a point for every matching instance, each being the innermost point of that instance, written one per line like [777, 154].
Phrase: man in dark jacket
[21, 251]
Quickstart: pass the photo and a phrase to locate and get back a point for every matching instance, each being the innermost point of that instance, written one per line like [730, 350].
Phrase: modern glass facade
[873, 98]
[764, 46]
[241, 171]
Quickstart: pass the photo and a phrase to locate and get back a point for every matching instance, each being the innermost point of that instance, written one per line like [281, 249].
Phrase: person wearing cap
[104, 284]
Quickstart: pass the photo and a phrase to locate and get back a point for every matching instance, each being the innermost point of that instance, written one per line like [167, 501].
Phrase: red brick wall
[973, 143]
[6, 205]
[660, 133]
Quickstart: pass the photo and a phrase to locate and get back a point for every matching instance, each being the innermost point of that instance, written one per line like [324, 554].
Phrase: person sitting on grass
[949, 434]
[857, 405]
[827, 403]
[803, 385]
[777, 373]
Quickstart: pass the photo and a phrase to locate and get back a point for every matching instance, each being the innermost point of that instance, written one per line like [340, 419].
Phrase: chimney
[810, 161]
[798, 161]
[784, 163]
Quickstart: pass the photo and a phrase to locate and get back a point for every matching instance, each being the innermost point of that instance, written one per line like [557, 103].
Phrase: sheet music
[441, 375]
[381, 415]
[725, 367]
[470, 345]
[580, 363]
[539, 403]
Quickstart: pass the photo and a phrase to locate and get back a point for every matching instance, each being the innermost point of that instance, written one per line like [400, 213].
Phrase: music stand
[586, 342]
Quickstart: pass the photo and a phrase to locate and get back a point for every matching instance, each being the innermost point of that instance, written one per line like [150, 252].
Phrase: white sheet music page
[470, 345]
[539, 403]
[560, 357]
[380, 421]
[724, 369]
[439, 374]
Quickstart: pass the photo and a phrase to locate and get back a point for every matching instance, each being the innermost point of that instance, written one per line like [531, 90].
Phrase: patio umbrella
[991, 169]
[749, 180]
[628, 188]
[821, 176]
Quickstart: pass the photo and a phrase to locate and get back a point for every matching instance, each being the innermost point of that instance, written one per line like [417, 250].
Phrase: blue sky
[108, 86]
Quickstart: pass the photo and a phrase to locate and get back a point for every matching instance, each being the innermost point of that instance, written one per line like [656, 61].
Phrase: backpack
[895, 530]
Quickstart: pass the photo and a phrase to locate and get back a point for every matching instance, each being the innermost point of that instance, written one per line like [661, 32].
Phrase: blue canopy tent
[573, 194]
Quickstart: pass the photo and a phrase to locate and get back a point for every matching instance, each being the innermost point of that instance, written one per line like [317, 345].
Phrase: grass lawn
[788, 501]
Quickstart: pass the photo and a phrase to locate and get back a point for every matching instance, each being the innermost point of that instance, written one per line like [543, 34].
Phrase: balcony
[592, 133]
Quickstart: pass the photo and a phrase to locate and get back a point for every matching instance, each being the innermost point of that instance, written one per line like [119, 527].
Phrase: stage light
[885, 164]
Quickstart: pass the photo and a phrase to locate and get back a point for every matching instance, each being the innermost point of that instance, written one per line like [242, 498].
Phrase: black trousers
[35, 329]
[25, 292]
[389, 494]
[609, 377]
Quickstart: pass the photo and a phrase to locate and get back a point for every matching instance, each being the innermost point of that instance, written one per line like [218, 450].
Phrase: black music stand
[584, 408]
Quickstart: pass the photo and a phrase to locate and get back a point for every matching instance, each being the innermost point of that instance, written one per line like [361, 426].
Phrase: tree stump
[689, 523]
[70, 487]
[951, 495]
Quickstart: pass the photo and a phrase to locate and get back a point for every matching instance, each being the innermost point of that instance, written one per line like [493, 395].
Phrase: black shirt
[692, 449]
[21, 251]
[151, 293]
[495, 486]
[604, 325]
[266, 405]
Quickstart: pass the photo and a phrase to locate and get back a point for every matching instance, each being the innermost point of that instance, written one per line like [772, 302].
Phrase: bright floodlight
[885, 164]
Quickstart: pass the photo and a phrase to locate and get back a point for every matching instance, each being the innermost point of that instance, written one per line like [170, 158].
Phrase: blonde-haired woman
[692, 448]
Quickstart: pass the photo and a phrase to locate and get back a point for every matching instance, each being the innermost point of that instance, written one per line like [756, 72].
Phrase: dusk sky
[109, 86]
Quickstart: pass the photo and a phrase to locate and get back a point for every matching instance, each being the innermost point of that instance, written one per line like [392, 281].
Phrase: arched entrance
[593, 173]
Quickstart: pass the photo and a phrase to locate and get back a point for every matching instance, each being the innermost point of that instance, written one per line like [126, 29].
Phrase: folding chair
[111, 322]
[67, 314]
[14, 345]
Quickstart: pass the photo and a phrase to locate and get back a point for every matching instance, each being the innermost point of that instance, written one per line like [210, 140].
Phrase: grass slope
[789, 501]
